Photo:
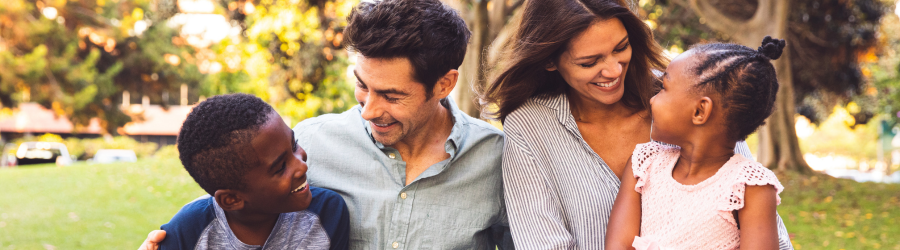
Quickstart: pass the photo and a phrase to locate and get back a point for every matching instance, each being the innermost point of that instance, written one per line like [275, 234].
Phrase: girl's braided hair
[743, 78]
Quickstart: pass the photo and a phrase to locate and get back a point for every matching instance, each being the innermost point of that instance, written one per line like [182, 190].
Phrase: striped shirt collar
[560, 103]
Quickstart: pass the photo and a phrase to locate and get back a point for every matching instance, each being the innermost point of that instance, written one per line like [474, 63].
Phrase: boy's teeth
[301, 187]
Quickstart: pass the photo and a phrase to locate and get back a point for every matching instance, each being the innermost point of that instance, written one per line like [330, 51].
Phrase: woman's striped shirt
[558, 192]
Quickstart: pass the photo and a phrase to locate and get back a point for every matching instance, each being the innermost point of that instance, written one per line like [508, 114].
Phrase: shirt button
[402, 195]
[395, 245]
[392, 155]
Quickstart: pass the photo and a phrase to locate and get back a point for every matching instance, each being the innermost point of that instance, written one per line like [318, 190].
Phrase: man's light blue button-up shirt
[454, 204]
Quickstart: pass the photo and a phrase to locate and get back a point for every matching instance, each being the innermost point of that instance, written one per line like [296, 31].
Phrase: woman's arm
[625, 219]
[531, 204]
[759, 228]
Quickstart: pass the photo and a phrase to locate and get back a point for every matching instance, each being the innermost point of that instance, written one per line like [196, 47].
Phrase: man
[415, 171]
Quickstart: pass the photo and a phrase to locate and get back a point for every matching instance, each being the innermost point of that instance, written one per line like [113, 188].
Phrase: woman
[572, 118]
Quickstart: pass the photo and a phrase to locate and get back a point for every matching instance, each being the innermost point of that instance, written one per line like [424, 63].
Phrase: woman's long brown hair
[545, 31]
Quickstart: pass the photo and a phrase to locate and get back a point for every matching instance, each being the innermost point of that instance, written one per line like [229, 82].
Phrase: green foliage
[291, 54]
[883, 71]
[108, 206]
[167, 152]
[838, 135]
[142, 150]
[822, 212]
[76, 57]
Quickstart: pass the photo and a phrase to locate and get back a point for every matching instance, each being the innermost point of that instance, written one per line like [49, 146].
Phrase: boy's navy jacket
[194, 223]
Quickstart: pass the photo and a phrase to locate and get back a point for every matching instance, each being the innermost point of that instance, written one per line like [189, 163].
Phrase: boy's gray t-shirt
[295, 230]
[201, 224]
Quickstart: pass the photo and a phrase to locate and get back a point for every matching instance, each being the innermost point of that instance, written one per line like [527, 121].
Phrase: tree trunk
[779, 147]
[472, 71]
[488, 20]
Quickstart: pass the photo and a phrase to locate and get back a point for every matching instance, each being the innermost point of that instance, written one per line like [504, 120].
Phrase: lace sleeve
[640, 162]
[751, 174]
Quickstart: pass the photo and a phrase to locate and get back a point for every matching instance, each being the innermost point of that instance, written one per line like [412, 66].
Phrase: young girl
[692, 191]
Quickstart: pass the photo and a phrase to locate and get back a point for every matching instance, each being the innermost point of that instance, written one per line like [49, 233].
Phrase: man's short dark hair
[430, 34]
[214, 142]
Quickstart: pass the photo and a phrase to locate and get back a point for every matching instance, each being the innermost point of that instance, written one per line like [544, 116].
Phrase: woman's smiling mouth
[606, 85]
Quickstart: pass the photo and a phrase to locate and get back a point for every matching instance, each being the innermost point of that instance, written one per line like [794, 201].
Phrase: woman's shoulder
[537, 108]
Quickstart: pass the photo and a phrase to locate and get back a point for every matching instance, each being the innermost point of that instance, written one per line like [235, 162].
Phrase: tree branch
[772, 13]
[718, 21]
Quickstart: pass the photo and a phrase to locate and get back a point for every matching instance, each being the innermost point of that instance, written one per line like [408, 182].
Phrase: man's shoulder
[187, 226]
[329, 120]
[478, 125]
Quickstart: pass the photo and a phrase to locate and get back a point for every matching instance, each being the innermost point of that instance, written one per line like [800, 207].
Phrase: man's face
[393, 102]
[277, 181]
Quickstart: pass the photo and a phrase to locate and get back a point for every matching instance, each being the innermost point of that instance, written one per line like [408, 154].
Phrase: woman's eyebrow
[601, 54]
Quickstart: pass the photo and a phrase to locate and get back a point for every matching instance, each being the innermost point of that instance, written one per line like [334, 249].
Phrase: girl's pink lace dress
[676, 216]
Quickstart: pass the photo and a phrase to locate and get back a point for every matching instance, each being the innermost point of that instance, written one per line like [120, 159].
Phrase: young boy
[240, 151]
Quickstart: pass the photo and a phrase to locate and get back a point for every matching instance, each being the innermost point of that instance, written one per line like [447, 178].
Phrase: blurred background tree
[290, 53]
[827, 41]
[77, 57]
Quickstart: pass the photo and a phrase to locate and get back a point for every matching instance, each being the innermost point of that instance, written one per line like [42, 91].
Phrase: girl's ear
[702, 111]
[229, 200]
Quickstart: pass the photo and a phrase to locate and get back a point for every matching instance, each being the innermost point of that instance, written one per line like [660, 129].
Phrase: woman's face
[595, 62]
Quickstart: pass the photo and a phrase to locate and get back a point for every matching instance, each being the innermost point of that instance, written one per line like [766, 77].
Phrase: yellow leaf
[137, 14]
[828, 199]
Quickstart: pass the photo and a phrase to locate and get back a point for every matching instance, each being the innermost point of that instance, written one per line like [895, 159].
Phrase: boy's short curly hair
[214, 141]
[427, 32]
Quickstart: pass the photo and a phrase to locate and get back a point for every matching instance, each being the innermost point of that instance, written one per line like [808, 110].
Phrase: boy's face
[277, 181]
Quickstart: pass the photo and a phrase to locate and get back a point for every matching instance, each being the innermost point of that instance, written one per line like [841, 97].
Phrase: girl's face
[673, 107]
[595, 62]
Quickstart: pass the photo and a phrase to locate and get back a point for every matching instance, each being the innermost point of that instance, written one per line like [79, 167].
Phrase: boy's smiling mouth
[301, 187]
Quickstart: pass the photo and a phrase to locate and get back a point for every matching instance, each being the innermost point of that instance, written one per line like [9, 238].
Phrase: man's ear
[445, 84]
[229, 199]
[702, 110]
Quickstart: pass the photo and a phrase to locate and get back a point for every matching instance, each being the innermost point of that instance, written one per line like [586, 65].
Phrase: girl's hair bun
[771, 48]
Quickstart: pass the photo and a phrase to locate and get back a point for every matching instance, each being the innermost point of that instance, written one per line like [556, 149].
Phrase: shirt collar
[560, 103]
[456, 133]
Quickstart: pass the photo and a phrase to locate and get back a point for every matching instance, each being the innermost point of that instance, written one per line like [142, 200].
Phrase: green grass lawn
[111, 206]
[114, 207]
[822, 212]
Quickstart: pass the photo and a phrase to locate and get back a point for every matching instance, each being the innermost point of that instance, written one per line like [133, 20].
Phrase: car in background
[8, 156]
[43, 152]
[114, 155]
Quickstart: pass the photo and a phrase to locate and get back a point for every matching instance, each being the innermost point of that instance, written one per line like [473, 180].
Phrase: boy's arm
[625, 218]
[757, 218]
